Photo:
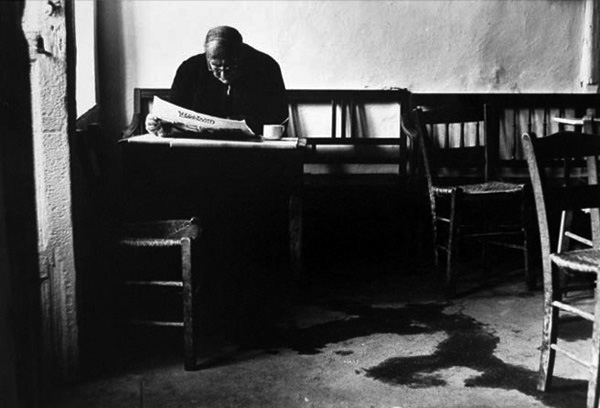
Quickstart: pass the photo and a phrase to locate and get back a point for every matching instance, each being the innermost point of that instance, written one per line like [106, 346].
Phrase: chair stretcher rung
[497, 243]
[507, 245]
[150, 242]
[576, 288]
[574, 310]
[442, 247]
[579, 239]
[155, 323]
[570, 355]
[491, 234]
[177, 284]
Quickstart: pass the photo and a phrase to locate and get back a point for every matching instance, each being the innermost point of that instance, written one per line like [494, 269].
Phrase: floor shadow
[468, 345]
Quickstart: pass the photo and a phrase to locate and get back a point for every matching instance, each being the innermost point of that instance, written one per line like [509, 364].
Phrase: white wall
[426, 46]
[85, 75]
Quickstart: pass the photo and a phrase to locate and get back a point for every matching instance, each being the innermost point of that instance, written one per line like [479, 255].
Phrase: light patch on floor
[456, 376]
[371, 350]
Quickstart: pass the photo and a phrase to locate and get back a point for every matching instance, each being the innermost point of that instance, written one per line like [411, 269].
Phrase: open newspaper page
[191, 121]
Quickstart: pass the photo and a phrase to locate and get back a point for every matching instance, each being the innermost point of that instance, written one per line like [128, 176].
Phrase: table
[241, 191]
[286, 143]
[154, 166]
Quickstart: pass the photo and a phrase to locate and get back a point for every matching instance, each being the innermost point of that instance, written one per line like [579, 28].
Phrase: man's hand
[155, 126]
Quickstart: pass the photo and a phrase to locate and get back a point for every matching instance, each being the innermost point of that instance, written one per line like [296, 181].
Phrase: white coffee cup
[273, 132]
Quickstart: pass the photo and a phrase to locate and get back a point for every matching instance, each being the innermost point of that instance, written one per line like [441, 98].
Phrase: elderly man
[229, 80]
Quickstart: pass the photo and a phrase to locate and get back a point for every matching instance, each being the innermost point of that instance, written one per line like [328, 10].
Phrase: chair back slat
[465, 157]
[462, 150]
[563, 172]
[574, 197]
[334, 106]
[351, 134]
[343, 119]
[567, 145]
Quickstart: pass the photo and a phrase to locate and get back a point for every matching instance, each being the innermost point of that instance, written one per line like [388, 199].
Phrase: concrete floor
[366, 336]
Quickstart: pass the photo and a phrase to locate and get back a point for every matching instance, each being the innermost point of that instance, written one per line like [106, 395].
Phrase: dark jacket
[258, 95]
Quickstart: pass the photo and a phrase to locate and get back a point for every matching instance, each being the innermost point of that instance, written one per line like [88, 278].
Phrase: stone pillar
[45, 27]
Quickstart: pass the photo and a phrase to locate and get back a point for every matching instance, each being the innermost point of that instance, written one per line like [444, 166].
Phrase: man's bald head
[223, 37]
[223, 45]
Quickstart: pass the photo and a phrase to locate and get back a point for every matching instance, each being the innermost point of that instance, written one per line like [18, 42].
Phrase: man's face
[224, 63]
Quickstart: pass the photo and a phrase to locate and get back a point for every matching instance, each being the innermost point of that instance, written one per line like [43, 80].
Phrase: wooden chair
[158, 235]
[466, 199]
[127, 238]
[552, 196]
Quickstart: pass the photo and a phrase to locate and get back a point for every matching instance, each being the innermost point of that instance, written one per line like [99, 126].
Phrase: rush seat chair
[159, 235]
[468, 203]
[557, 188]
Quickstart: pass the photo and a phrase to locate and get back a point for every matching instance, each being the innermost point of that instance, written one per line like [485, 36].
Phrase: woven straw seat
[583, 260]
[575, 153]
[491, 187]
[158, 233]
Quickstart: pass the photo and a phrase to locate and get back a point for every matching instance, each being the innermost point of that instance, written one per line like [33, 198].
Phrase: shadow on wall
[111, 61]
[110, 67]
[96, 174]
[17, 179]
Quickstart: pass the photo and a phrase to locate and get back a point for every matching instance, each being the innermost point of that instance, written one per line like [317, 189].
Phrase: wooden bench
[346, 139]
[347, 148]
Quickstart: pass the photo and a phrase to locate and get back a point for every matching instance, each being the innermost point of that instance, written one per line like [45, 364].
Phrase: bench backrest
[345, 106]
[347, 133]
[519, 113]
[348, 137]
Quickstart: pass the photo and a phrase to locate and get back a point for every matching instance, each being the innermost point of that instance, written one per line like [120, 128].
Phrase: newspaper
[191, 121]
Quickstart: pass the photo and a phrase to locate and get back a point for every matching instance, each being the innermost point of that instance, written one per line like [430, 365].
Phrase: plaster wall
[426, 46]
[85, 67]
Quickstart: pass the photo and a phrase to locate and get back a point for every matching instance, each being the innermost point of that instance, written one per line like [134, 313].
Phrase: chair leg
[592, 393]
[188, 305]
[548, 354]
[530, 279]
[452, 248]
[434, 236]
[526, 229]
[549, 335]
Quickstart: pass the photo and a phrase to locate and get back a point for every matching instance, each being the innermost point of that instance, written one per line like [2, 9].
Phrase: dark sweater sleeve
[182, 93]
[274, 107]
